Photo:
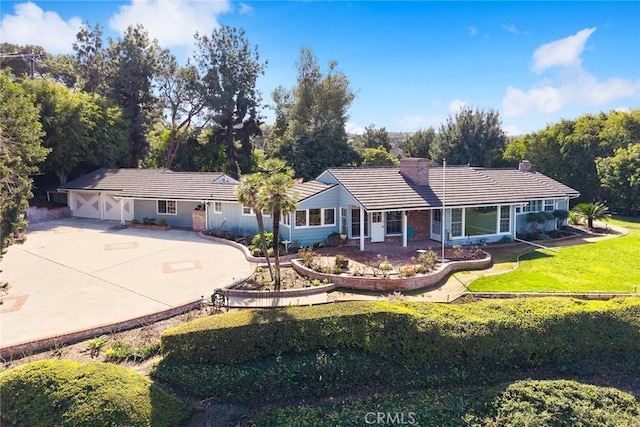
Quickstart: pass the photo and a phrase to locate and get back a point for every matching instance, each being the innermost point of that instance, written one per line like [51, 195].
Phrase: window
[394, 222]
[301, 218]
[317, 217]
[504, 219]
[480, 221]
[167, 207]
[355, 223]
[343, 220]
[549, 205]
[217, 207]
[246, 210]
[456, 222]
[329, 216]
[533, 206]
[285, 218]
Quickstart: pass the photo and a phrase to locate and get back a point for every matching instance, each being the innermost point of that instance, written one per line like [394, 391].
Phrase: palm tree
[276, 196]
[592, 211]
[247, 193]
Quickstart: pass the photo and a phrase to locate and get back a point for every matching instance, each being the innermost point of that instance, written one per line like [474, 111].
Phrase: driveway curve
[74, 274]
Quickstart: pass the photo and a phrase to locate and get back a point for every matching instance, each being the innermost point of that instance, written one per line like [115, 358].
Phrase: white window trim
[216, 211]
[322, 223]
[252, 212]
[175, 202]
[462, 222]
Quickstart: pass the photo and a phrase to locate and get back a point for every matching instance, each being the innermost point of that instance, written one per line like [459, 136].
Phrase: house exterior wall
[419, 221]
[308, 235]
[182, 218]
[232, 219]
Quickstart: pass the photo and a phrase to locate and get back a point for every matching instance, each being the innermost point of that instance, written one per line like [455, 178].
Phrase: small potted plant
[343, 233]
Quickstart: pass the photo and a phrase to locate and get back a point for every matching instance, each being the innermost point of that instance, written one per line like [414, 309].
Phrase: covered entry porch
[398, 228]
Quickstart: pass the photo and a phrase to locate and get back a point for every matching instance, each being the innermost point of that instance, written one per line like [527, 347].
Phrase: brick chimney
[525, 166]
[415, 169]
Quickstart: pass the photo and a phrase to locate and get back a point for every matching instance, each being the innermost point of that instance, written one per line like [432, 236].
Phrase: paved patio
[74, 274]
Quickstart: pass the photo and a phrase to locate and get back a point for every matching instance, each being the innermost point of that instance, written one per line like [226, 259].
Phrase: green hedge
[485, 335]
[530, 403]
[54, 392]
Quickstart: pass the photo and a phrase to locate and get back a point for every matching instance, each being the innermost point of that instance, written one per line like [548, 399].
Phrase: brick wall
[36, 215]
[395, 283]
[199, 219]
[417, 170]
[419, 220]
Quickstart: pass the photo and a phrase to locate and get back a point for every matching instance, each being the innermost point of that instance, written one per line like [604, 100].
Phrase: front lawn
[606, 266]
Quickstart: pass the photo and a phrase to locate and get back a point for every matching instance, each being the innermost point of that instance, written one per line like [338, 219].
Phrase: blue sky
[412, 64]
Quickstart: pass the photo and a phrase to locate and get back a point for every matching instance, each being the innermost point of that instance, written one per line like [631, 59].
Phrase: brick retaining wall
[396, 283]
[37, 215]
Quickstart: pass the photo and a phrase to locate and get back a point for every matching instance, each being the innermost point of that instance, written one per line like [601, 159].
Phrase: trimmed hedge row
[54, 392]
[539, 403]
[484, 335]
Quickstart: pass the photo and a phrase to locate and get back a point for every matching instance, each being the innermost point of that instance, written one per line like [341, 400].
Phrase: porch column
[121, 211]
[404, 229]
[206, 215]
[361, 228]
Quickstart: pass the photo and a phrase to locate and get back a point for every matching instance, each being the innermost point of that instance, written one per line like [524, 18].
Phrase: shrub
[53, 392]
[121, 351]
[148, 221]
[559, 402]
[428, 260]
[486, 336]
[256, 241]
[521, 403]
[134, 221]
[163, 222]
[308, 257]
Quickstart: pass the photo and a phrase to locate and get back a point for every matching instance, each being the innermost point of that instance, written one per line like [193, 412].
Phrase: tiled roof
[307, 189]
[380, 188]
[156, 184]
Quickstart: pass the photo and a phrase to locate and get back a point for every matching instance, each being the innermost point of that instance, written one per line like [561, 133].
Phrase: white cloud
[563, 52]
[622, 109]
[511, 28]
[172, 23]
[473, 31]
[353, 128]
[245, 9]
[32, 25]
[413, 122]
[456, 105]
[573, 84]
[512, 130]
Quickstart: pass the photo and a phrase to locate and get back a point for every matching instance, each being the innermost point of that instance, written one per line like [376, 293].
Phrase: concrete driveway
[74, 274]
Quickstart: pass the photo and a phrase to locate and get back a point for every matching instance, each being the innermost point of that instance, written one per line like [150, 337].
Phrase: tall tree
[133, 66]
[230, 67]
[310, 119]
[248, 194]
[472, 137]
[620, 178]
[373, 138]
[20, 153]
[83, 131]
[419, 144]
[181, 96]
[278, 198]
[379, 157]
[91, 55]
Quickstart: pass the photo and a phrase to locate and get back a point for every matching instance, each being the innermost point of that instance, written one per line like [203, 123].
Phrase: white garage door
[100, 206]
[86, 205]
[111, 208]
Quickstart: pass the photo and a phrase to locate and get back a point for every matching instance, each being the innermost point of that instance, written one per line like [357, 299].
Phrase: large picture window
[481, 220]
[394, 222]
[167, 207]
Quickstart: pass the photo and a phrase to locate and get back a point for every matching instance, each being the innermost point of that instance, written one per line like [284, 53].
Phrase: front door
[436, 225]
[377, 227]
